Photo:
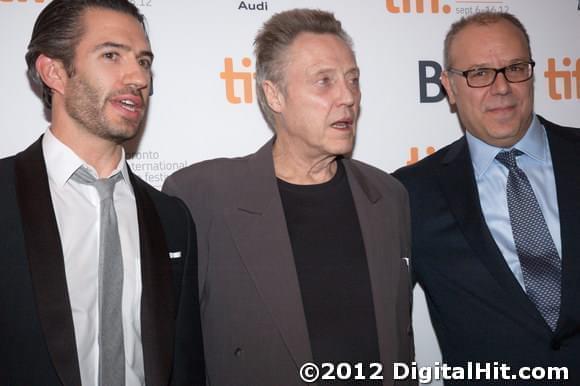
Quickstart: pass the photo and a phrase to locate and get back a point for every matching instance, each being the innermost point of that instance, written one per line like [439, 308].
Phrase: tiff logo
[562, 81]
[244, 77]
[404, 6]
[414, 154]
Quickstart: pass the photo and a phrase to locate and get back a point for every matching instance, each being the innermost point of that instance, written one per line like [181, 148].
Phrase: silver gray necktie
[539, 259]
[111, 347]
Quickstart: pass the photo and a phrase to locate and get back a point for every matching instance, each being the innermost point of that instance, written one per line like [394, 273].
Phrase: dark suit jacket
[253, 321]
[37, 342]
[478, 309]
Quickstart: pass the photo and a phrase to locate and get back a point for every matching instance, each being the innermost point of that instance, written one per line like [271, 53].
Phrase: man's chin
[344, 150]
[120, 136]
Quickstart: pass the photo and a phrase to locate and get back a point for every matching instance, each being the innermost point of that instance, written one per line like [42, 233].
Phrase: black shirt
[333, 273]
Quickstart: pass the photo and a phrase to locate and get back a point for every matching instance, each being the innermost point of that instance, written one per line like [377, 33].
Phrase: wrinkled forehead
[310, 47]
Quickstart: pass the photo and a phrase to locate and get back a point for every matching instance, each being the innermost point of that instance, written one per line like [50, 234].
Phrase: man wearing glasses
[496, 214]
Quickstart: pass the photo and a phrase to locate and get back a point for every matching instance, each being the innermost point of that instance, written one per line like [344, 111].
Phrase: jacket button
[556, 345]
[238, 351]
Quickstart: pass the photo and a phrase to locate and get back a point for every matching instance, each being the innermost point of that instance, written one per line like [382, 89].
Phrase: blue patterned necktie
[539, 259]
[111, 348]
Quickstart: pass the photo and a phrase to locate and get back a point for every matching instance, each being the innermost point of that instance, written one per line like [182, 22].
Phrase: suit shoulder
[368, 169]
[6, 167]
[207, 184]
[214, 172]
[7, 186]
[567, 132]
[377, 176]
[165, 204]
[424, 168]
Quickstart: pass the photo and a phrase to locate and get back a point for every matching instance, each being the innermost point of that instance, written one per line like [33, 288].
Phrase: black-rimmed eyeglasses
[483, 77]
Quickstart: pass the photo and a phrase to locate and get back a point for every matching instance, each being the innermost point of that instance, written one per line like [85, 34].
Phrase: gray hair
[274, 38]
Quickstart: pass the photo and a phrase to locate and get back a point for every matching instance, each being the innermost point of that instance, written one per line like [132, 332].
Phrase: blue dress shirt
[491, 179]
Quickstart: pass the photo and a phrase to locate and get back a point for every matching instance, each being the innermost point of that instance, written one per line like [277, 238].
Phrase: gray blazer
[253, 321]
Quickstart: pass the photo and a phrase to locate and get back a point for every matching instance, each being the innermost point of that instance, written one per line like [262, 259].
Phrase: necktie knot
[105, 186]
[508, 158]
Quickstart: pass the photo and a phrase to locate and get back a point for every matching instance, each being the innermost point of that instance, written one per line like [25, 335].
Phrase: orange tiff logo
[244, 77]
[404, 6]
[414, 154]
[562, 81]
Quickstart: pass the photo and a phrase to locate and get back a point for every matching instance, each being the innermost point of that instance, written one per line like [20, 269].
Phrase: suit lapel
[259, 229]
[383, 270]
[45, 257]
[457, 182]
[565, 159]
[157, 304]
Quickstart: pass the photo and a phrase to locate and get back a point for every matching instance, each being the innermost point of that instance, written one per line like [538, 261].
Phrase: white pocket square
[175, 255]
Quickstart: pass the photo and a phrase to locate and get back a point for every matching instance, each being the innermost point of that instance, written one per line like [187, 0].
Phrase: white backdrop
[191, 117]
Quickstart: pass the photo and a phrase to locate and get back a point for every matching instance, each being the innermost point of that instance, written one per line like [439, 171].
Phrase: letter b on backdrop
[429, 73]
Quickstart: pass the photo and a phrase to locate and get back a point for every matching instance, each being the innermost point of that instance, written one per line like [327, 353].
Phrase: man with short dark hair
[495, 215]
[302, 250]
[97, 269]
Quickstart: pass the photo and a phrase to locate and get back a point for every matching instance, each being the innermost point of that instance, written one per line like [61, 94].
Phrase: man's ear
[52, 73]
[446, 82]
[273, 95]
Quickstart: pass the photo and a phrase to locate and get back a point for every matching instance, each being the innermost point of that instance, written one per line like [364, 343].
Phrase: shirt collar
[534, 144]
[61, 161]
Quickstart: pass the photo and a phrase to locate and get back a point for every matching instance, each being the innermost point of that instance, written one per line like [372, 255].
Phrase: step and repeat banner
[204, 104]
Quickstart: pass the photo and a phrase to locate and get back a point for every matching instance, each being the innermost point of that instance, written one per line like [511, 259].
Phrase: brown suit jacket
[253, 321]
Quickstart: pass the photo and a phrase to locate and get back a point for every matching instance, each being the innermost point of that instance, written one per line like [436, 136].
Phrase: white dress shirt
[77, 210]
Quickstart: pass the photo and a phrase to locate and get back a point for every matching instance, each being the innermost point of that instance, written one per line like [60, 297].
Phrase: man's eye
[110, 55]
[520, 67]
[480, 73]
[145, 63]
